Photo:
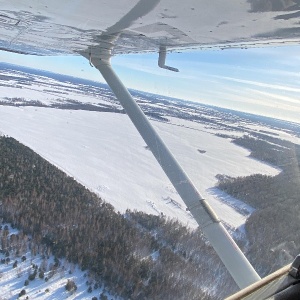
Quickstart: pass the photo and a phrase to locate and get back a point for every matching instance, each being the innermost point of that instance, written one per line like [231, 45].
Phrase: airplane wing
[60, 27]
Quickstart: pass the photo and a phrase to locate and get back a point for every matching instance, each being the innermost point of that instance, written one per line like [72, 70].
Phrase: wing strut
[233, 258]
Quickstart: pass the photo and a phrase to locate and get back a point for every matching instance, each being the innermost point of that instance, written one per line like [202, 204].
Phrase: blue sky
[264, 81]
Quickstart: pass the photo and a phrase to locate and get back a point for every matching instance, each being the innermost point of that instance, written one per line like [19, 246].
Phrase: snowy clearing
[104, 152]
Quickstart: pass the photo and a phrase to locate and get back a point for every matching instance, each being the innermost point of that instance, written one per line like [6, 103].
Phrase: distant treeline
[273, 229]
[137, 256]
[61, 104]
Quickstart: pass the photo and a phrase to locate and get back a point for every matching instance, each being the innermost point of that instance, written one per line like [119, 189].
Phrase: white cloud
[282, 100]
[260, 84]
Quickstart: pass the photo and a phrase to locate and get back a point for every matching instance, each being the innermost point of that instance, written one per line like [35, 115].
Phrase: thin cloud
[153, 70]
[260, 84]
[281, 99]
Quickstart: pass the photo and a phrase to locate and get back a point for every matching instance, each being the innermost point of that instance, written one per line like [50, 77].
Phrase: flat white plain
[104, 152]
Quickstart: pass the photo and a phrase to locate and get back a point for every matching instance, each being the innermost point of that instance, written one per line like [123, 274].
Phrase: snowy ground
[12, 279]
[104, 152]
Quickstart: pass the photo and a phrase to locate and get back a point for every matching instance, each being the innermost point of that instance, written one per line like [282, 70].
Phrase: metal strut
[232, 257]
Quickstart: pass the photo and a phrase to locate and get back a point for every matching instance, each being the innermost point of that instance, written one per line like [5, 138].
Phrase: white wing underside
[80, 26]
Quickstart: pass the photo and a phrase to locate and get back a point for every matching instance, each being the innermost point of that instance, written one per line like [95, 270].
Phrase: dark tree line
[137, 256]
[273, 229]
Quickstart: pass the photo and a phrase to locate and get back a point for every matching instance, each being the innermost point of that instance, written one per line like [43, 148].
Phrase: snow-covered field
[104, 152]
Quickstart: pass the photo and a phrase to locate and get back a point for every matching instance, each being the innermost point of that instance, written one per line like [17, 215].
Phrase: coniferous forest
[273, 228]
[135, 255]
